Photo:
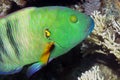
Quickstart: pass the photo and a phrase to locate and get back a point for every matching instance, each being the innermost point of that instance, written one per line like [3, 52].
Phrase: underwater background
[96, 58]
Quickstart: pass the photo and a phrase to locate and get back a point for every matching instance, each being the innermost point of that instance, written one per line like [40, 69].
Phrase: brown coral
[20, 2]
[4, 6]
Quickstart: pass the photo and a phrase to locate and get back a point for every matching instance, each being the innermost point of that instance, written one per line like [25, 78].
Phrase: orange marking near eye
[45, 57]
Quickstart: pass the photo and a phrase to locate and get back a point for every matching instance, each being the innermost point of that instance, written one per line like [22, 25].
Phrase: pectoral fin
[33, 69]
[43, 60]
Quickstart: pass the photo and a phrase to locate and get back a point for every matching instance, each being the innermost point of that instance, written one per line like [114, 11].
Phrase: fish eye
[73, 18]
[47, 33]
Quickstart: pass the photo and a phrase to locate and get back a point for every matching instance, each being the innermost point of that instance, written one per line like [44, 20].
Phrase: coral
[93, 74]
[4, 6]
[106, 35]
[98, 72]
[20, 2]
[111, 7]
[87, 6]
[91, 5]
[108, 32]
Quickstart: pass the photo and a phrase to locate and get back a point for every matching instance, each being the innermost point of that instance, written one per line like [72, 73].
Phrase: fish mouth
[90, 29]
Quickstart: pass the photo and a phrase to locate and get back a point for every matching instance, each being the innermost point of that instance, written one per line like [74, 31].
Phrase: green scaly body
[23, 39]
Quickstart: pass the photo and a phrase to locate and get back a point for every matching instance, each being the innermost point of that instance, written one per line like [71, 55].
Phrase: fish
[37, 35]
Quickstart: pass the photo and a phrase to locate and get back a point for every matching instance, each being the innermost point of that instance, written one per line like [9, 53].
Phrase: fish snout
[91, 27]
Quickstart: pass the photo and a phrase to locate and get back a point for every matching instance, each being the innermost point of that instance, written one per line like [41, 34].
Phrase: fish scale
[7, 46]
[11, 38]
